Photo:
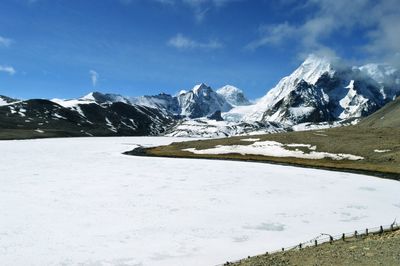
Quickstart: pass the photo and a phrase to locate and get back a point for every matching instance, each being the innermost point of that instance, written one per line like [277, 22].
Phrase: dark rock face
[304, 104]
[216, 116]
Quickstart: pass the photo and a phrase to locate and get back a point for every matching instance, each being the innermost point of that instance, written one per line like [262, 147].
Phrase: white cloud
[6, 42]
[181, 42]
[7, 69]
[272, 34]
[379, 19]
[94, 76]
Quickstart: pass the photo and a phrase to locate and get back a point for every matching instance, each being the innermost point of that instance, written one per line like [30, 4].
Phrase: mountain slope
[82, 118]
[388, 116]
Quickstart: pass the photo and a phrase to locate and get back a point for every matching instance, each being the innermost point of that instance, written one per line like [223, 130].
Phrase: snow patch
[275, 149]
[110, 125]
[250, 139]
[381, 151]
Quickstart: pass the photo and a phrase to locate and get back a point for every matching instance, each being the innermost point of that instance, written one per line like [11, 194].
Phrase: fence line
[326, 238]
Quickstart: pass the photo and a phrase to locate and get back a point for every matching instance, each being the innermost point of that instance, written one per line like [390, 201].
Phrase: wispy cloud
[181, 42]
[94, 76]
[378, 19]
[5, 42]
[7, 69]
[199, 7]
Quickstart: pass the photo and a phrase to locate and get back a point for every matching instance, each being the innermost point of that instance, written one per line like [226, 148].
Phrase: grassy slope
[350, 140]
[388, 116]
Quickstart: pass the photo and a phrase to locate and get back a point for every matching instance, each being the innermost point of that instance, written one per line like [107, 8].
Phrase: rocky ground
[367, 250]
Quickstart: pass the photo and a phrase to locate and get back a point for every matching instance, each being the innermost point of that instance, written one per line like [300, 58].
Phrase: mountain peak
[99, 97]
[200, 87]
[233, 95]
[313, 59]
[92, 96]
[229, 89]
[314, 67]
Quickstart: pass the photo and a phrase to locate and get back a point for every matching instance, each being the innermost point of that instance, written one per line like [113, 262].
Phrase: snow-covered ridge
[4, 100]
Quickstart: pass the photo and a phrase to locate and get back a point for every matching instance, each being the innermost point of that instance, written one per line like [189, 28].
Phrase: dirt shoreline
[144, 152]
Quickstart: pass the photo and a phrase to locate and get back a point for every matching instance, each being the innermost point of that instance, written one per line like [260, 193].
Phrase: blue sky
[67, 48]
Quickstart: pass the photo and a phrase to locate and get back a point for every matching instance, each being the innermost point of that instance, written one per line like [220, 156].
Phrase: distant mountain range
[318, 91]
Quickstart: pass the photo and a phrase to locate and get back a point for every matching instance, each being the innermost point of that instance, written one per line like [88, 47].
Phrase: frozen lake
[80, 201]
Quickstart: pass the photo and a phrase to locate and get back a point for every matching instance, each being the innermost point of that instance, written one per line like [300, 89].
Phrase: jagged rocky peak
[201, 88]
[233, 95]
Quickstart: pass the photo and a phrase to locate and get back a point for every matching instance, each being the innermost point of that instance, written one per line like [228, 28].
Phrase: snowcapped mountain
[233, 95]
[202, 101]
[324, 90]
